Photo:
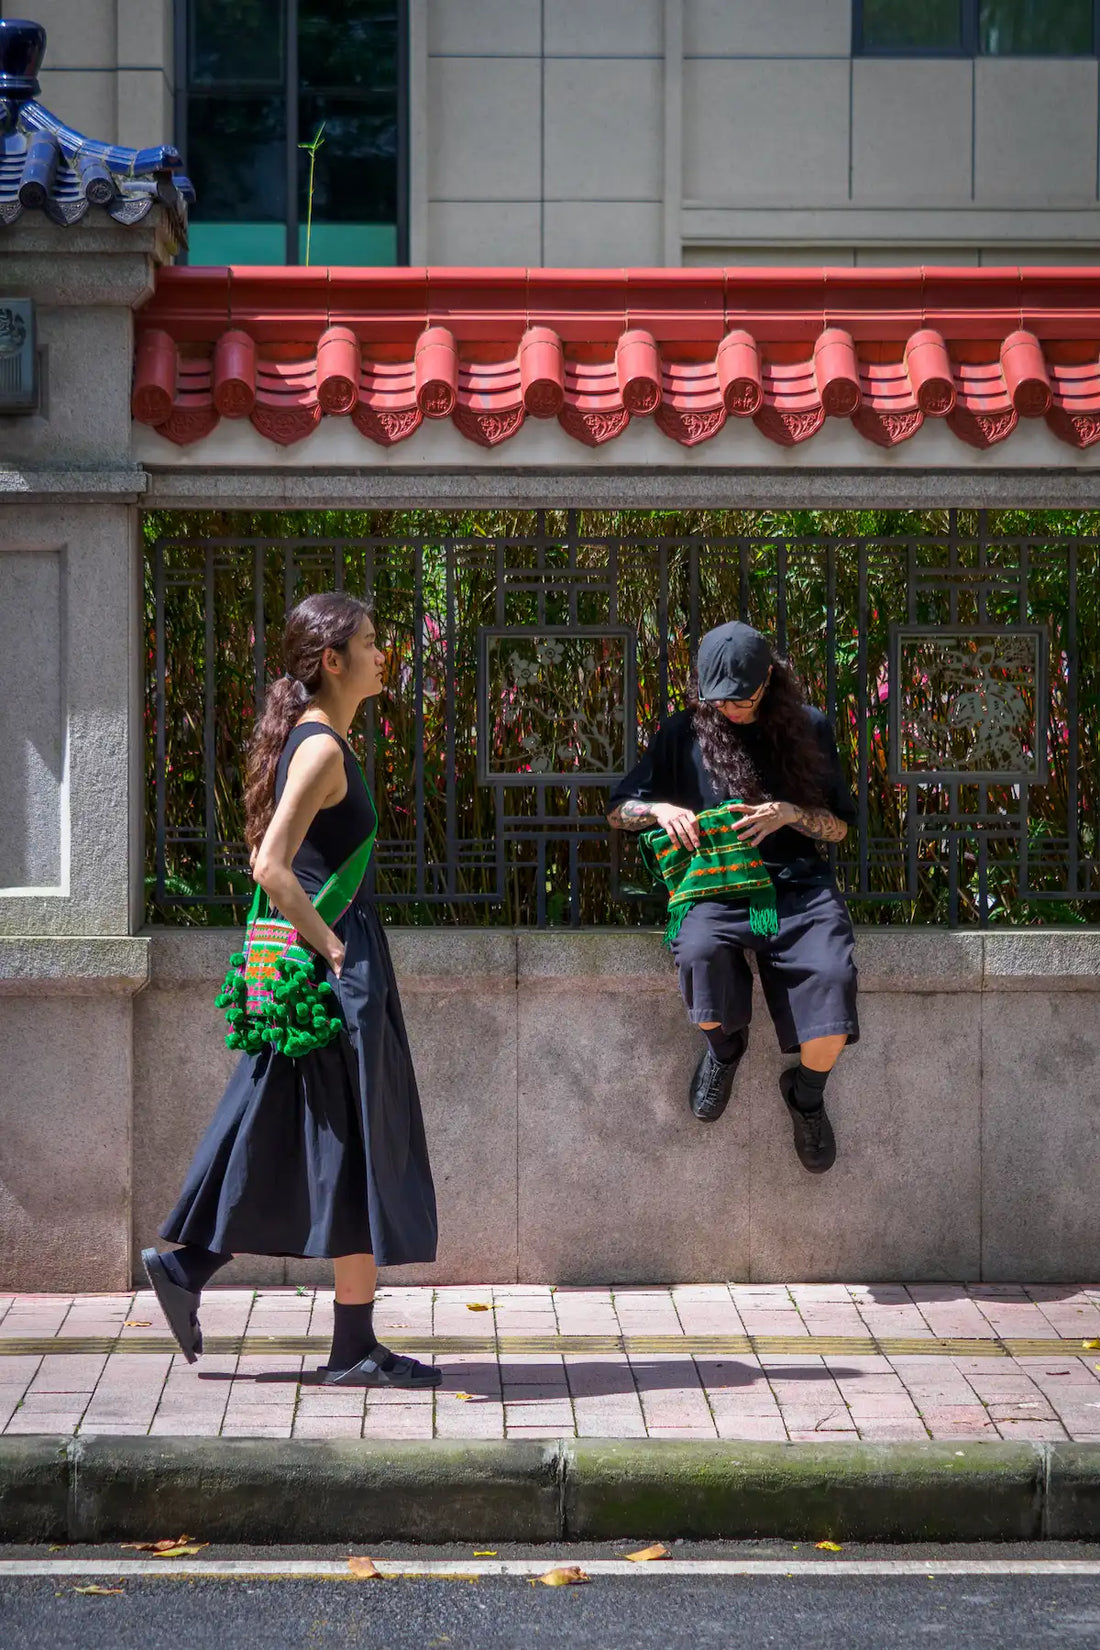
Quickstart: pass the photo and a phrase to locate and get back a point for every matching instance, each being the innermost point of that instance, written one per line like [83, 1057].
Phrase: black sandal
[179, 1305]
[381, 1367]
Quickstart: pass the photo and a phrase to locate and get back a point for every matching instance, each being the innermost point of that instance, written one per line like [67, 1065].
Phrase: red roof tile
[692, 349]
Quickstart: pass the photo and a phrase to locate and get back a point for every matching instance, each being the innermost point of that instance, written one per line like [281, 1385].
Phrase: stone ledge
[31, 966]
[72, 484]
[1032, 959]
[891, 960]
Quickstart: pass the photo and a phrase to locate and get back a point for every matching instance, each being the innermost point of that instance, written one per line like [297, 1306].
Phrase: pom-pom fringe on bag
[722, 867]
[275, 994]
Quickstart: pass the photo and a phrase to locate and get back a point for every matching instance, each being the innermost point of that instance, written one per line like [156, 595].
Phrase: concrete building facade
[595, 133]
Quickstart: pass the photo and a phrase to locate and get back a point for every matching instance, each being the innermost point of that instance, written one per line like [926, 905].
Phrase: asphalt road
[652, 1606]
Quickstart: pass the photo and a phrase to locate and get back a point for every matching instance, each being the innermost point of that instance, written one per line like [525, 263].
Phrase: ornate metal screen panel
[531, 655]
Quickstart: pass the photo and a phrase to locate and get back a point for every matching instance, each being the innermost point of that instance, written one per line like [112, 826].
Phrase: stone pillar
[71, 752]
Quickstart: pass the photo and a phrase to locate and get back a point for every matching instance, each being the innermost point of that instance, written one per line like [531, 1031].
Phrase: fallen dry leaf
[1091, 1346]
[643, 1557]
[828, 1546]
[181, 1550]
[138, 1323]
[463, 1397]
[364, 1569]
[482, 1306]
[101, 1592]
[566, 1575]
[486, 1552]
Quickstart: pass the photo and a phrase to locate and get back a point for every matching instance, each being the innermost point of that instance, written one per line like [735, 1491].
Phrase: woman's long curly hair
[317, 623]
[796, 763]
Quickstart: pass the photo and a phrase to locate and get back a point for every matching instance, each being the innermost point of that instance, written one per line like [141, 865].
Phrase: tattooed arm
[632, 815]
[817, 823]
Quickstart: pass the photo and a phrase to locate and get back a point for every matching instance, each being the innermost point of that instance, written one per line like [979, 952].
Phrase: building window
[971, 28]
[258, 78]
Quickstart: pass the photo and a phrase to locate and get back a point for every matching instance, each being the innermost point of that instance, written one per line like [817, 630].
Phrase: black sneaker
[710, 1087]
[813, 1133]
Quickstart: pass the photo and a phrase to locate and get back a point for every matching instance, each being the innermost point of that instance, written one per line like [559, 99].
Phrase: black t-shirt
[672, 770]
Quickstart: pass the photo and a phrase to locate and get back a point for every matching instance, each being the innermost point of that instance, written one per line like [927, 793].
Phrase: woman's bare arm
[315, 780]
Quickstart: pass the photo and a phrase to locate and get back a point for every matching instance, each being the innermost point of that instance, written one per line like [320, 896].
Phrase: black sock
[353, 1335]
[726, 1046]
[192, 1267]
[808, 1088]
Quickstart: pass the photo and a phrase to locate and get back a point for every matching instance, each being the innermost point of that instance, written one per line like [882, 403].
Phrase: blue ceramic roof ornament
[47, 166]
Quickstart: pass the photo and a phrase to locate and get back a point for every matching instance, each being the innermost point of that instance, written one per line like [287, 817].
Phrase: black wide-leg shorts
[807, 971]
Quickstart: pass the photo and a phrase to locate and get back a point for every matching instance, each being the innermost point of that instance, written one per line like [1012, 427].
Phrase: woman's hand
[680, 823]
[334, 954]
[760, 819]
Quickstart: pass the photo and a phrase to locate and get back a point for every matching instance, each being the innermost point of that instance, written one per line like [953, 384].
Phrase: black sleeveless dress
[324, 1155]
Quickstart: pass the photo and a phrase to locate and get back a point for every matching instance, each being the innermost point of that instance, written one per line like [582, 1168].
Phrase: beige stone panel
[490, 28]
[1038, 256]
[483, 127]
[602, 234]
[80, 34]
[1040, 1135]
[1035, 131]
[145, 28]
[911, 131]
[65, 1142]
[84, 99]
[894, 257]
[903, 1199]
[505, 233]
[769, 132]
[618, 1182]
[32, 798]
[85, 414]
[99, 698]
[766, 257]
[612, 28]
[145, 108]
[604, 136]
[768, 28]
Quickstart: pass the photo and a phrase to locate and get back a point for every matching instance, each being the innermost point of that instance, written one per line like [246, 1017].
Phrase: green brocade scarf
[722, 867]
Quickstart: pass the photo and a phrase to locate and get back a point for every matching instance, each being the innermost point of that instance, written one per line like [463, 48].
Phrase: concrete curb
[262, 1490]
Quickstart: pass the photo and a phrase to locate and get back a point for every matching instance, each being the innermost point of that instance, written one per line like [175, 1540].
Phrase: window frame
[291, 93]
[970, 47]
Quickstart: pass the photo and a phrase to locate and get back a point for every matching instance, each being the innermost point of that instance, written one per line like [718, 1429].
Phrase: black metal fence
[958, 654]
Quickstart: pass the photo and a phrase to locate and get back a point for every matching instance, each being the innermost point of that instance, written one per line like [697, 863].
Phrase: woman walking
[750, 746]
[322, 1155]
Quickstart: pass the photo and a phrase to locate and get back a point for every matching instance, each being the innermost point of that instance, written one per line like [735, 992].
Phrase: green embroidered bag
[275, 994]
[722, 867]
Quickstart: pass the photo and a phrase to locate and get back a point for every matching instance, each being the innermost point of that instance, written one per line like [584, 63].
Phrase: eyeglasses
[744, 704]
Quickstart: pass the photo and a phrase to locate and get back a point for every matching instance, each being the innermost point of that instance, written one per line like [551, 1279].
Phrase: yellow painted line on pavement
[570, 1346]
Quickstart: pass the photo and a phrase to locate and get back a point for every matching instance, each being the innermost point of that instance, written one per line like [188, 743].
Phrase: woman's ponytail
[286, 699]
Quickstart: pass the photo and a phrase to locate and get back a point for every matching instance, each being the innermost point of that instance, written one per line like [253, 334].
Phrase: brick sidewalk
[804, 1361]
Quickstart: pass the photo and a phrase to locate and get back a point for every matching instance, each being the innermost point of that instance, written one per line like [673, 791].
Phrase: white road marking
[670, 1569]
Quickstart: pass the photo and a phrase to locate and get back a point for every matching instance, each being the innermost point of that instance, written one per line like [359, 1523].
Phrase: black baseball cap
[734, 660]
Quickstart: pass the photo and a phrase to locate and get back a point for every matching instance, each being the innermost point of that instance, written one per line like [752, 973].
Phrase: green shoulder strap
[343, 885]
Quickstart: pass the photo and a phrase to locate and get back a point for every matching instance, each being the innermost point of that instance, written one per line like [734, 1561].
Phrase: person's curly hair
[796, 763]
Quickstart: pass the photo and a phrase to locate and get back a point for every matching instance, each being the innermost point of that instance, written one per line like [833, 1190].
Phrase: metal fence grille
[957, 653]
